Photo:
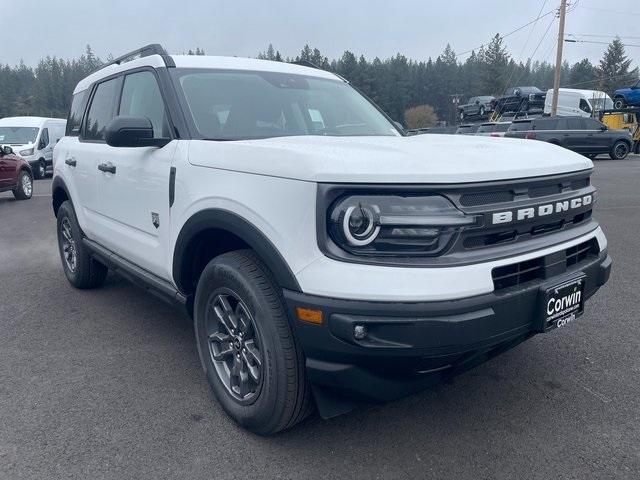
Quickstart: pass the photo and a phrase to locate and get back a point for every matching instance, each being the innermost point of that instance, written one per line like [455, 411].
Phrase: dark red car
[15, 174]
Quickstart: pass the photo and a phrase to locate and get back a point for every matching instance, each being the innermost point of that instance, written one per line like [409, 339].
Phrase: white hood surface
[393, 159]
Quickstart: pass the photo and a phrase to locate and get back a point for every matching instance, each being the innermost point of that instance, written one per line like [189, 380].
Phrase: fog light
[359, 332]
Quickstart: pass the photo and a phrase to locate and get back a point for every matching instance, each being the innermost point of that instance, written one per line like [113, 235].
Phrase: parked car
[493, 129]
[313, 243]
[519, 99]
[33, 138]
[476, 107]
[442, 130]
[624, 97]
[573, 102]
[469, 129]
[15, 174]
[587, 136]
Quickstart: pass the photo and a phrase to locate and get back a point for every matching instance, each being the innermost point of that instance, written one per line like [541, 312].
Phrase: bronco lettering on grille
[540, 210]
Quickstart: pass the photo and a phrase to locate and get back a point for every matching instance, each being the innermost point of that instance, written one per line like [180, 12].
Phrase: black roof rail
[147, 50]
[305, 63]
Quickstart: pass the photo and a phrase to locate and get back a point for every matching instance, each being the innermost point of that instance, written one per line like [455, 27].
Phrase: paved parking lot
[107, 384]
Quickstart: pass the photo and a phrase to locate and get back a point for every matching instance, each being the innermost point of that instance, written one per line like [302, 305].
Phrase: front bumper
[410, 345]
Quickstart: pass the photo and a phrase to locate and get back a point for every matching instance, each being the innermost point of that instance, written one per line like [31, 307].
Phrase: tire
[481, 112]
[81, 270]
[524, 106]
[278, 395]
[24, 190]
[620, 150]
[619, 103]
[40, 170]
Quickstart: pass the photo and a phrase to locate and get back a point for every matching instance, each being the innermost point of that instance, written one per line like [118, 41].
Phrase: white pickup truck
[325, 257]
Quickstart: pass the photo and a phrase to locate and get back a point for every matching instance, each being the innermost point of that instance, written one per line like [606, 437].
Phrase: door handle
[107, 167]
[71, 162]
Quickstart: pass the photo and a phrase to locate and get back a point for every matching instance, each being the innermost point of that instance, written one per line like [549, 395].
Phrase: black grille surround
[484, 241]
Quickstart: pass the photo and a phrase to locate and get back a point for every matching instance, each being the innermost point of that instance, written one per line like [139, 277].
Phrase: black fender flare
[58, 184]
[243, 229]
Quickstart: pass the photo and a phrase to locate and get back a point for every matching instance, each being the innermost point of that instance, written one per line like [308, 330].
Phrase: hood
[416, 159]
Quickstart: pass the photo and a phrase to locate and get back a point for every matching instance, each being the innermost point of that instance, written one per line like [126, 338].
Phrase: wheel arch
[59, 194]
[229, 227]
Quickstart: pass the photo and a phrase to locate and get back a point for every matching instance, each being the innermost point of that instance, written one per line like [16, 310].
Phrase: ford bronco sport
[323, 255]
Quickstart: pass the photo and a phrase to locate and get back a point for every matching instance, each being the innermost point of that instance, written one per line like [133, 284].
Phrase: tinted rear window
[74, 121]
[546, 124]
[502, 127]
[486, 128]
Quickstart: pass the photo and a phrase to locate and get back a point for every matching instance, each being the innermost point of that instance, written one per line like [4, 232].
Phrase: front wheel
[81, 270]
[252, 360]
[24, 189]
[41, 170]
[620, 150]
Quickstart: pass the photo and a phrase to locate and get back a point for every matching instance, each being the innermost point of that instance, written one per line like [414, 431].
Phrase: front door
[133, 211]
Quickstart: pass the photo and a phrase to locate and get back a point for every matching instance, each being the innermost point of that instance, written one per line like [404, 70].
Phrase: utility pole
[556, 78]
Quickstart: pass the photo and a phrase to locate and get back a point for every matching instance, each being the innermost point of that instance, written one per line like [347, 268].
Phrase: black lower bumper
[408, 346]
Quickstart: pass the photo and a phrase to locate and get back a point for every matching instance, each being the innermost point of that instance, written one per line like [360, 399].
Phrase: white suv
[321, 252]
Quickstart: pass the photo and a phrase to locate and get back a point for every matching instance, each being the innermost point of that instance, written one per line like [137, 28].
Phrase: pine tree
[494, 67]
[613, 70]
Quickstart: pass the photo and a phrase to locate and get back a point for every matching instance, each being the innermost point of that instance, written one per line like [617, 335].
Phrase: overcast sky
[417, 28]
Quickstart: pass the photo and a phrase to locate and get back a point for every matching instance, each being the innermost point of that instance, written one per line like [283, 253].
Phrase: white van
[574, 102]
[33, 138]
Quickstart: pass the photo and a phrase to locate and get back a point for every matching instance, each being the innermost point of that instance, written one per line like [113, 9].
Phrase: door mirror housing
[7, 150]
[125, 131]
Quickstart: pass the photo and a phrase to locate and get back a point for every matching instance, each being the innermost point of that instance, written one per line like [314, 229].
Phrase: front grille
[520, 273]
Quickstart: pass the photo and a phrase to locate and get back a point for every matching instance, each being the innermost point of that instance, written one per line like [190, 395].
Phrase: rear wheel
[81, 270]
[481, 112]
[619, 103]
[24, 189]
[620, 150]
[248, 351]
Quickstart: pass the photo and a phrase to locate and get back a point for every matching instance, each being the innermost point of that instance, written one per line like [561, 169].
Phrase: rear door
[133, 212]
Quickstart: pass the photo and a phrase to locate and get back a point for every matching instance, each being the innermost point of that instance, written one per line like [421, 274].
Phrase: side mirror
[7, 150]
[603, 128]
[124, 131]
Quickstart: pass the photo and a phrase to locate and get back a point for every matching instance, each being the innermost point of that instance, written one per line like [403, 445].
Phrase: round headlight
[359, 225]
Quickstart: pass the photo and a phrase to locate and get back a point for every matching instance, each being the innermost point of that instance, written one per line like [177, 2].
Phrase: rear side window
[502, 127]
[520, 126]
[74, 121]
[486, 128]
[101, 111]
[546, 124]
[141, 98]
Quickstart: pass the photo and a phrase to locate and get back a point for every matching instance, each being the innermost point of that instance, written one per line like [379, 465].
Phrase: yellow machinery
[624, 119]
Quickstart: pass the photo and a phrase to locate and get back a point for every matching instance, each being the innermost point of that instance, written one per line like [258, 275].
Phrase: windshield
[601, 103]
[18, 135]
[239, 105]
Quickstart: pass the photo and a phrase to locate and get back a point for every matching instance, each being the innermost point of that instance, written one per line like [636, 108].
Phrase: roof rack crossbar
[147, 50]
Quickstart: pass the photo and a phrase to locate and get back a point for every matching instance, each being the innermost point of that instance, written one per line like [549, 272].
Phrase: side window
[141, 98]
[74, 121]
[584, 106]
[44, 138]
[575, 124]
[101, 111]
[591, 124]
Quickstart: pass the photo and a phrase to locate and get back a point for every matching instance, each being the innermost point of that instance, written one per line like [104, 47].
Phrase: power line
[610, 11]
[571, 40]
[601, 35]
[511, 32]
